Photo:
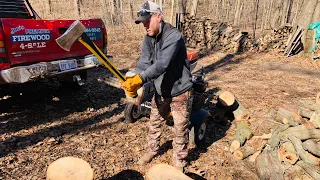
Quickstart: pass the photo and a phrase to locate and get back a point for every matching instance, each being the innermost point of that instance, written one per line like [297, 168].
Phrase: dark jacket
[164, 60]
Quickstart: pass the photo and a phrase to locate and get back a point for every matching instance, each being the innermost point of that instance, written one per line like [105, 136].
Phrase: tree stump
[70, 168]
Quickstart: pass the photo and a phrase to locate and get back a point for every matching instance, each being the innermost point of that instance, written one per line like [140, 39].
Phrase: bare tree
[131, 5]
[50, 6]
[256, 18]
[77, 4]
[171, 14]
[194, 8]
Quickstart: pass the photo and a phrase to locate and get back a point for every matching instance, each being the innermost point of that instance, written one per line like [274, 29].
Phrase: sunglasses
[144, 12]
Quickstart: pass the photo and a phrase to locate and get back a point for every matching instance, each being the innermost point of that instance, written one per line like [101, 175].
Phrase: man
[164, 61]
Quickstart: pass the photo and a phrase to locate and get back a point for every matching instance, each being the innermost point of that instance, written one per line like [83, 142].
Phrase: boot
[146, 158]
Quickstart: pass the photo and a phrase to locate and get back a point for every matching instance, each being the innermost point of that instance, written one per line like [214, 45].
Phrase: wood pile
[206, 34]
[277, 39]
[291, 151]
[201, 33]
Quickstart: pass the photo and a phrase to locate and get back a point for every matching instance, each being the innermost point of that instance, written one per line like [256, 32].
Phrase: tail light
[4, 63]
[105, 38]
[2, 49]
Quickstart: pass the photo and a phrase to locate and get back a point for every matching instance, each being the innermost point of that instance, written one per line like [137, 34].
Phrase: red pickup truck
[28, 50]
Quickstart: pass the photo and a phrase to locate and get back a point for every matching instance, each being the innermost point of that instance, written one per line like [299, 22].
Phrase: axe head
[66, 40]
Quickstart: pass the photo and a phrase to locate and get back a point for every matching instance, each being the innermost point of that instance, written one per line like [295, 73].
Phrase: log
[226, 98]
[254, 156]
[290, 114]
[243, 132]
[312, 147]
[312, 172]
[275, 138]
[241, 113]
[263, 136]
[301, 132]
[318, 98]
[268, 166]
[315, 119]
[287, 153]
[301, 152]
[252, 146]
[287, 117]
[234, 146]
[296, 172]
[164, 172]
[308, 104]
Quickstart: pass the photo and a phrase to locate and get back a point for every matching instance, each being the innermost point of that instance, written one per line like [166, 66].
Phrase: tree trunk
[77, 7]
[172, 11]
[305, 19]
[50, 6]
[104, 10]
[256, 18]
[131, 8]
[161, 5]
[237, 13]
[194, 8]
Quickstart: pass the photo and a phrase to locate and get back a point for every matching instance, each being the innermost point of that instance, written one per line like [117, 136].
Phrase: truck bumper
[22, 74]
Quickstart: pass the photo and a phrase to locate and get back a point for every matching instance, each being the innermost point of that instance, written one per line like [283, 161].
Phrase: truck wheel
[199, 133]
[132, 113]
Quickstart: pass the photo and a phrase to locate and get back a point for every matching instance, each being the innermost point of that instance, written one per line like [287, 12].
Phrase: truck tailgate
[29, 41]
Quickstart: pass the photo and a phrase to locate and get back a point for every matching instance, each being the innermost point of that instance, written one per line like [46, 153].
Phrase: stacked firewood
[201, 33]
[292, 151]
[207, 34]
[277, 39]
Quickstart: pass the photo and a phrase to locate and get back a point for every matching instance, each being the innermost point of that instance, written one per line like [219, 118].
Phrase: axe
[77, 32]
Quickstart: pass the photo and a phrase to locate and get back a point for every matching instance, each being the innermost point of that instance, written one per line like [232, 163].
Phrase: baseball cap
[146, 10]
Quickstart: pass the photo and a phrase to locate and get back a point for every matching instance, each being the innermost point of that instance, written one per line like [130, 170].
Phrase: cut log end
[234, 146]
[238, 155]
[226, 98]
[318, 98]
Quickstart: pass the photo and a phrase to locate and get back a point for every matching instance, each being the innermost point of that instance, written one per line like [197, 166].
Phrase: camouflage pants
[180, 107]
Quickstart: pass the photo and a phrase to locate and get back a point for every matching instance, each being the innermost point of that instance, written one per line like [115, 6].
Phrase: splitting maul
[77, 32]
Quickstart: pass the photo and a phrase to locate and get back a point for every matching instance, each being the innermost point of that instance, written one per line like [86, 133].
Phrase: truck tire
[198, 133]
[132, 113]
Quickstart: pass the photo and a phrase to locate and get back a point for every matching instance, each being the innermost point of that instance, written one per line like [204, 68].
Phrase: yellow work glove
[132, 84]
[131, 93]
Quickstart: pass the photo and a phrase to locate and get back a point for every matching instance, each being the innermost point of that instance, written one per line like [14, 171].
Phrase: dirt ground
[43, 121]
